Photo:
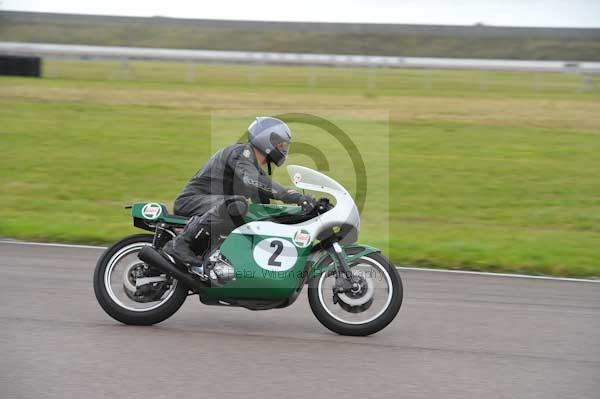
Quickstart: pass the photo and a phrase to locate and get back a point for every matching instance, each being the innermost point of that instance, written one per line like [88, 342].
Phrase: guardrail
[244, 57]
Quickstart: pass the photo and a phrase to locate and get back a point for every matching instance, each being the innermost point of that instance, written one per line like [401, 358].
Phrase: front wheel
[369, 307]
[131, 291]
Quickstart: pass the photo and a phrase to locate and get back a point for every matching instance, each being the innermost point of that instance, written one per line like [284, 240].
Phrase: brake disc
[141, 288]
[358, 299]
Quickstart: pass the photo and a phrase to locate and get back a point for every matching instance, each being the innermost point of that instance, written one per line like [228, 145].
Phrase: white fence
[244, 57]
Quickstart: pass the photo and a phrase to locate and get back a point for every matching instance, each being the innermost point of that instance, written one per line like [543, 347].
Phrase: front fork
[343, 276]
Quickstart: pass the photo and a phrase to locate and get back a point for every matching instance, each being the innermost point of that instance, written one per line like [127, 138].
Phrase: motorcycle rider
[216, 197]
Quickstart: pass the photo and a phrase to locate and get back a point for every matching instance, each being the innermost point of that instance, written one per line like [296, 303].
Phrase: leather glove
[307, 202]
[290, 197]
[294, 197]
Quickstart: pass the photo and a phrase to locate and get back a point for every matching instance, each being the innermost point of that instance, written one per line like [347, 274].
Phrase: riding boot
[193, 241]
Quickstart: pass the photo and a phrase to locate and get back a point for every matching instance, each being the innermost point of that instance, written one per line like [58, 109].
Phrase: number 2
[278, 250]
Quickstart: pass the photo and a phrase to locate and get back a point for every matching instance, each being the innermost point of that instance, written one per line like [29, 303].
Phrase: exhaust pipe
[154, 259]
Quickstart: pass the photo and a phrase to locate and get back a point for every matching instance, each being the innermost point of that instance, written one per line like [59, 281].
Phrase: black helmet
[265, 133]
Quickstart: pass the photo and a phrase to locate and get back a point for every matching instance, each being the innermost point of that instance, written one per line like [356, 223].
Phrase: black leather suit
[230, 177]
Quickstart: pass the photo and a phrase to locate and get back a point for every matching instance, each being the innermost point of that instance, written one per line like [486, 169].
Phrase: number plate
[275, 254]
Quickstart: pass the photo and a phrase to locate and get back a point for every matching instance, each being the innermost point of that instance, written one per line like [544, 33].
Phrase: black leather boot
[193, 241]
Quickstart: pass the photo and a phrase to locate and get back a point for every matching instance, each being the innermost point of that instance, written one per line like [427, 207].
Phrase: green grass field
[481, 171]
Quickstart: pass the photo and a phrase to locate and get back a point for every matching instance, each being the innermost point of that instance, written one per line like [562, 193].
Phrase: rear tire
[336, 323]
[111, 305]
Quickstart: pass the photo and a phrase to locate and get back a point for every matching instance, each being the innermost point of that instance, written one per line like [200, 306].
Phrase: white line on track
[418, 269]
[422, 269]
[49, 244]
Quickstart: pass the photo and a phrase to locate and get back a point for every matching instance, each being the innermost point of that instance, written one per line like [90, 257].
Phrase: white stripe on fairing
[417, 269]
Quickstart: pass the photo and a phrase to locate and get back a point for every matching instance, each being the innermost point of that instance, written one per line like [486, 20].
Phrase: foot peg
[151, 257]
[199, 271]
[195, 270]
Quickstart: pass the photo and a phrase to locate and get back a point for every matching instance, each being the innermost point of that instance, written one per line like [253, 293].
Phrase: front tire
[114, 290]
[358, 316]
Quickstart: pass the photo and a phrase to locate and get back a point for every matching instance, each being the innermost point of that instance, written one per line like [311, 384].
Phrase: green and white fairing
[271, 259]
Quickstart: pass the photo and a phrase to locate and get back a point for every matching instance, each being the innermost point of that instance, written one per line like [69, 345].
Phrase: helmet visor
[283, 147]
[279, 143]
[280, 150]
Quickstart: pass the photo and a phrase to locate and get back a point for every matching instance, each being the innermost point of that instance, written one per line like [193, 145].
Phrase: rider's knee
[236, 206]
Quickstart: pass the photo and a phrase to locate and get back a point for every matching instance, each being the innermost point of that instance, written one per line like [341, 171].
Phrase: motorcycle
[262, 264]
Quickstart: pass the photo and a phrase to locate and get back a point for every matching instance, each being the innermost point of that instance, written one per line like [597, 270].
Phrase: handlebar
[321, 206]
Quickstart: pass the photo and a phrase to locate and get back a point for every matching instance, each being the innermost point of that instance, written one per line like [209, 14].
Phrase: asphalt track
[456, 336]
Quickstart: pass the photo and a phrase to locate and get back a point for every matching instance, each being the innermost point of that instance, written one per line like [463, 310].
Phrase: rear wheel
[132, 292]
[370, 306]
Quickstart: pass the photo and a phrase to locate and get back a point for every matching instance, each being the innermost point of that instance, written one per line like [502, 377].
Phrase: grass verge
[496, 178]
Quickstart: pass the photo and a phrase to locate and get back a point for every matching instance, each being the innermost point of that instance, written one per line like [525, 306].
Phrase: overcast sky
[570, 13]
